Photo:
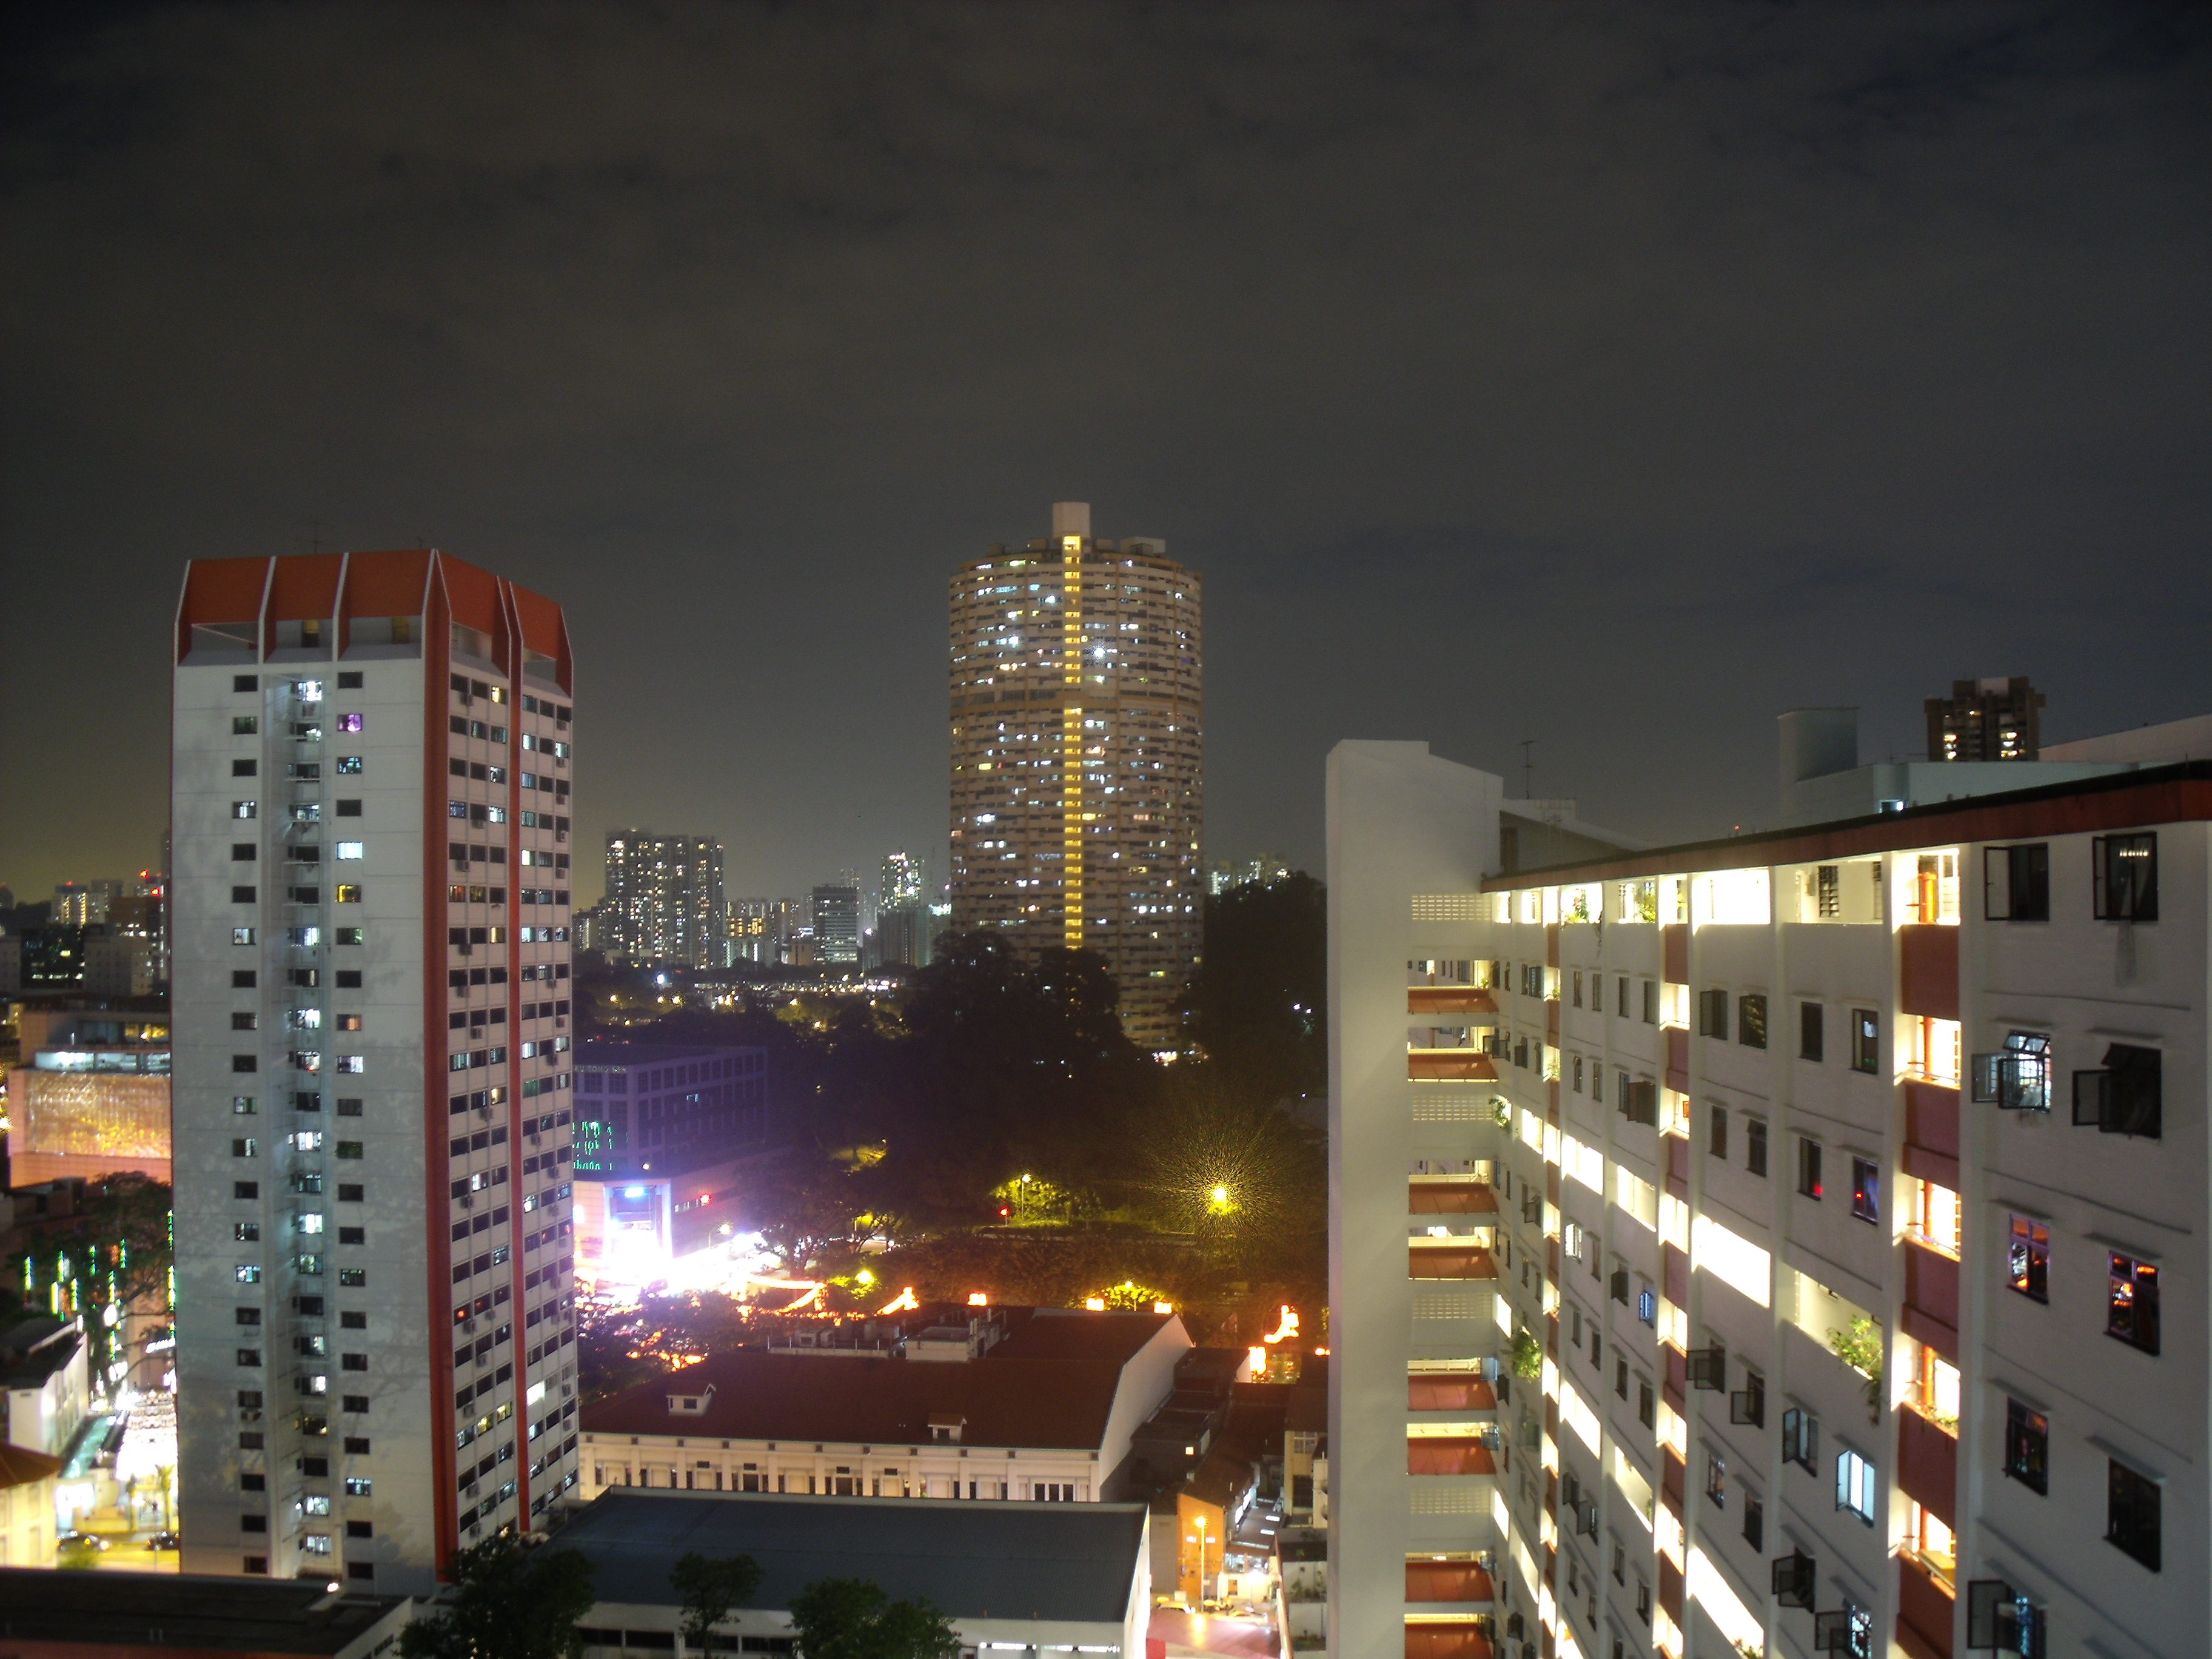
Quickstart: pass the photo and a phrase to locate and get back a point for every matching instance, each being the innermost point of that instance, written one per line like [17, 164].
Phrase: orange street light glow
[978, 1299]
[1163, 1307]
[1095, 1303]
[1287, 1329]
[1256, 1358]
[902, 1303]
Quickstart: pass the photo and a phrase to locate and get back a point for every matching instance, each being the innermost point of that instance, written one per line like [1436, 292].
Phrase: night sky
[1615, 377]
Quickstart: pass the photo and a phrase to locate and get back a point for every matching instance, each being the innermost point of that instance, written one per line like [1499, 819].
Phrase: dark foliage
[1256, 1006]
[512, 1603]
[850, 1619]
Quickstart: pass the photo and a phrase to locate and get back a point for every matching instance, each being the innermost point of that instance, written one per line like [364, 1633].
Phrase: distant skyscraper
[837, 925]
[1990, 719]
[374, 1267]
[663, 899]
[900, 934]
[1077, 784]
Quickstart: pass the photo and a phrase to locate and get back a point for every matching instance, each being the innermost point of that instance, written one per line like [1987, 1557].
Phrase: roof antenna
[1527, 768]
[315, 534]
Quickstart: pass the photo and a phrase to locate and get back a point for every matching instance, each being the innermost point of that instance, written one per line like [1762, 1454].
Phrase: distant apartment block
[1078, 783]
[1986, 720]
[663, 899]
[1834, 1201]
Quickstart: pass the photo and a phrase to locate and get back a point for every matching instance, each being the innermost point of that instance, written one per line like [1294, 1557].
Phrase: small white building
[1045, 1415]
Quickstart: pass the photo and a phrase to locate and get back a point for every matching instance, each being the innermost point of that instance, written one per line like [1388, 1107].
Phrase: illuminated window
[2131, 1304]
[2027, 1267]
[2027, 1446]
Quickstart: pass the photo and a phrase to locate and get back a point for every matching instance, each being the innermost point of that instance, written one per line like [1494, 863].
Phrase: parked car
[81, 1540]
[162, 1541]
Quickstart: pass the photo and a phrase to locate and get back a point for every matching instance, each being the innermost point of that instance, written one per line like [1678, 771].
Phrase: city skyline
[1816, 357]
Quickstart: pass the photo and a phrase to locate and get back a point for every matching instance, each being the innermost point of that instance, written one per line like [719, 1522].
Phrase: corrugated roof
[973, 1560]
[1057, 1403]
[100, 1612]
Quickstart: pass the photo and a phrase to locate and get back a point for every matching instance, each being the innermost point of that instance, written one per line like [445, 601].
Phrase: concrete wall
[1401, 822]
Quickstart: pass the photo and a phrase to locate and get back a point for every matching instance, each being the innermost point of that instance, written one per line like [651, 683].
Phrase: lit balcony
[1449, 1065]
[1449, 1394]
[1446, 1639]
[1448, 1580]
[1454, 1455]
[1449, 1000]
[1450, 1196]
[1449, 1260]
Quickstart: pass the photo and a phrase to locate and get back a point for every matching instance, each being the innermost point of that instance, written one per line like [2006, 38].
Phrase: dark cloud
[1614, 376]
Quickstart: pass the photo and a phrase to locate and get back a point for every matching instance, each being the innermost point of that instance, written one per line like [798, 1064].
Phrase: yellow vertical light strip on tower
[1071, 743]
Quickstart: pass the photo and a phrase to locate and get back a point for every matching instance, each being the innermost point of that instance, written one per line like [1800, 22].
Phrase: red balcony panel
[1448, 999]
[1928, 1465]
[1923, 1612]
[1448, 1580]
[1450, 1198]
[1436, 1456]
[1928, 971]
[1446, 1641]
[1449, 1065]
[1926, 1328]
[1551, 1185]
[1671, 1479]
[1677, 1059]
[1676, 935]
[1931, 1283]
[1670, 1590]
[1919, 1162]
[1449, 1394]
[1678, 1165]
[1429, 1262]
[1678, 1370]
[1931, 1116]
[1674, 1273]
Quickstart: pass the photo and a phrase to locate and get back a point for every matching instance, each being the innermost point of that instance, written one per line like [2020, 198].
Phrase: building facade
[923, 1408]
[671, 1151]
[836, 912]
[1078, 779]
[91, 1096]
[371, 781]
[1848, 1222]
[663, 899]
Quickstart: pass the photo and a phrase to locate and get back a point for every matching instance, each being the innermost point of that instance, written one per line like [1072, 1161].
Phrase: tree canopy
[851, 1619]
[510, 1601]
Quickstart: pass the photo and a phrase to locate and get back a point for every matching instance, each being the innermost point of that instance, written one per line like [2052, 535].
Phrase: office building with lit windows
[671, 1151]
[371, 802]
[1078, 783]
[663, 900]
[1833, 1202]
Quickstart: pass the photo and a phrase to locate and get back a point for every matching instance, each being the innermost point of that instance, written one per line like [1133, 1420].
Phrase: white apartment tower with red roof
[371, 808]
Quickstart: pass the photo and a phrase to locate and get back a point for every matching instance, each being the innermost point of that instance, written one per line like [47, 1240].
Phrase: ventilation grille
[1451, 907]
[1451, 1500]
[1453, 1304]
[1450, 1106]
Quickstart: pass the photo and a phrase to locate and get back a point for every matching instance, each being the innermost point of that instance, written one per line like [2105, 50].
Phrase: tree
[1255, 1004]
[510, 1603]
[851, 1619]
[710, 1589]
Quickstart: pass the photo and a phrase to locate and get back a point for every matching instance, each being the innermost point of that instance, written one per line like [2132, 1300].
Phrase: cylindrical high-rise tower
[1078, 787]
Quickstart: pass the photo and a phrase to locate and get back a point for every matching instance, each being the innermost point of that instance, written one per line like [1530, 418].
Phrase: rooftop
[104, 1611]
[2166, 794]
[973, 1560]
[1077, 1334]
[1059, 1403]
[21, 1467]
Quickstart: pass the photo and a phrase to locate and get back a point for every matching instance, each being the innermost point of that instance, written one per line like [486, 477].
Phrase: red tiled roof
[20, 1467]
[1058, 1403]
